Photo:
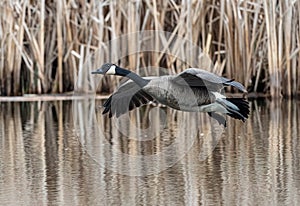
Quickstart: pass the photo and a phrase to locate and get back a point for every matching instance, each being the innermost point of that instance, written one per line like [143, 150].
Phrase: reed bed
[51, 46]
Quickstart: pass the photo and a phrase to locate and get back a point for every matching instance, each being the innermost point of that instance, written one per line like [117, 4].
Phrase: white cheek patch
[111, 70]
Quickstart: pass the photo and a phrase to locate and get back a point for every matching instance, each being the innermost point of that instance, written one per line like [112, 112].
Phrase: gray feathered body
[177, 96]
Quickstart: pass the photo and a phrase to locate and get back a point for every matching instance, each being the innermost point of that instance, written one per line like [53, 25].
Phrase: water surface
[67, 153]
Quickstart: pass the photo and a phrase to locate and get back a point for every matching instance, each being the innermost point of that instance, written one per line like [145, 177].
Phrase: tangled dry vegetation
[51, 46]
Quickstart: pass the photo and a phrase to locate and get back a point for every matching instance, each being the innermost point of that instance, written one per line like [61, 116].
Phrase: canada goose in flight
[191, 90]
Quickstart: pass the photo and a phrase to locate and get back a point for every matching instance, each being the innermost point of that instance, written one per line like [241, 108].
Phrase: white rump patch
[219, 95]
[111, 70]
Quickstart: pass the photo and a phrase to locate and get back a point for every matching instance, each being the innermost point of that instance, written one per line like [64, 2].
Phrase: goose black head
[111, 69]
[106, 68]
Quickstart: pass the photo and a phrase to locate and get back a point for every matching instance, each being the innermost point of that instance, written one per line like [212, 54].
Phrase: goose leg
[218, 117]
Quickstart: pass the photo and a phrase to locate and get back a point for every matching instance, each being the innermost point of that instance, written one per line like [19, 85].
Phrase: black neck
[133, 76]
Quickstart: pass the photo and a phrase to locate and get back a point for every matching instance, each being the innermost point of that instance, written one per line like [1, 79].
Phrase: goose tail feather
[237, 108]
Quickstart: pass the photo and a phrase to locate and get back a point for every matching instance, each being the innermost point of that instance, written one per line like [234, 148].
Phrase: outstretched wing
[126, 98]
[201, 78]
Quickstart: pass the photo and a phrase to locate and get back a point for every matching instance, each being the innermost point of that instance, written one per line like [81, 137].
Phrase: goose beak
[98, 71]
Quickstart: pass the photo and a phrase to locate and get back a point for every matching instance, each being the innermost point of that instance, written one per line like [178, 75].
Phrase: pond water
[68, 153]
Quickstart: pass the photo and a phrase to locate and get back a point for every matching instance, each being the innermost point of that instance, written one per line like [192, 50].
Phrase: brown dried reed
[46, 46]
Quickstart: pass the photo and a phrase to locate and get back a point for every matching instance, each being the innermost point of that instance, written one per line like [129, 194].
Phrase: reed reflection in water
[68, 153]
